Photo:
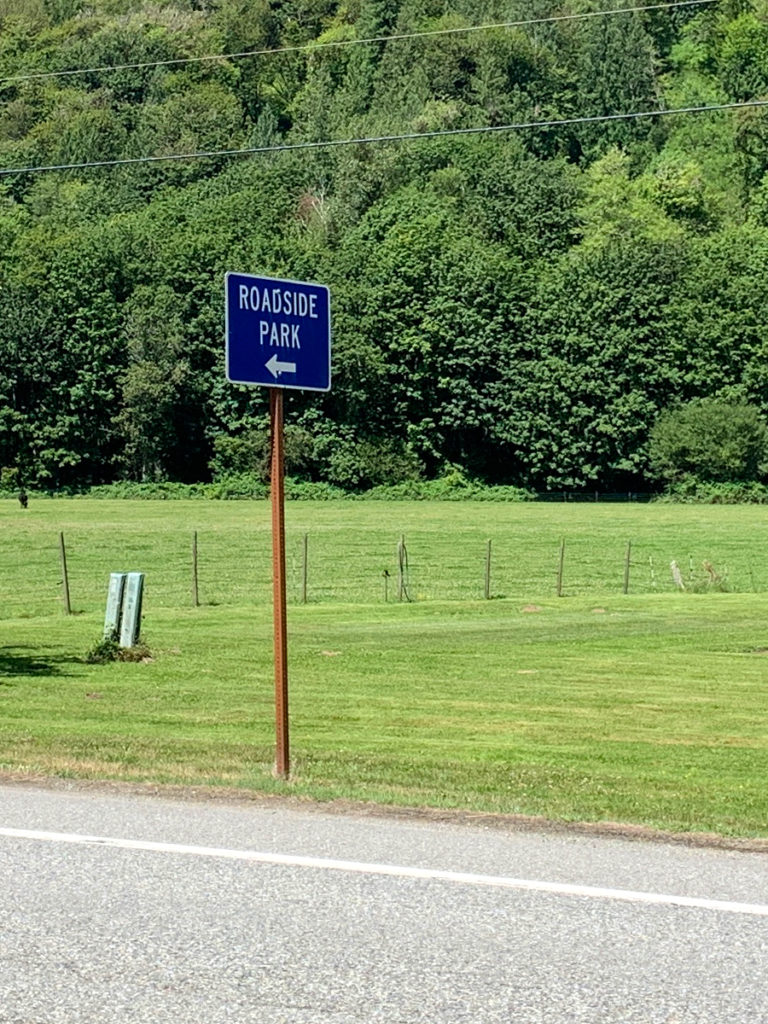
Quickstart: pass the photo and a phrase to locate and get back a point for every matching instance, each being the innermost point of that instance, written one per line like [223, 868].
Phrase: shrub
[10, 480]
[303, 490]
[358, 464]
[709, 441]
[693, 491]
[452, 486]
[107, 649]
[248, 454]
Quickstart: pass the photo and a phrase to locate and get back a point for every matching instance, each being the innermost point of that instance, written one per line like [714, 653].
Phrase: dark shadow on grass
[27, 661]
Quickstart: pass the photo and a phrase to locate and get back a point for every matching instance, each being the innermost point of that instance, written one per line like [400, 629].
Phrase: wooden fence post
[627, 558]
[195, 594]
[402, 571]
[304, 568]
[560, 567]
[64, 575]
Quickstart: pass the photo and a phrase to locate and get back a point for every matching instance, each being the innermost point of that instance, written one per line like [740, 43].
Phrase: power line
[291, 147]
[310, 47]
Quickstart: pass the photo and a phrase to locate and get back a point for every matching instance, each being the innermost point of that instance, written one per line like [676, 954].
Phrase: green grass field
[648, 708]
[352, 543]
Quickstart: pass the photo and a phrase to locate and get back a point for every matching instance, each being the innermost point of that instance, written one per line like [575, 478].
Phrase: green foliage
[249, 452]
[108, 649]
[616, 205]
[303, 490]
[9, 478]
[584, 393]
[154, 384]
[62, 10]
[520, 304]
[451, 486]
[710, 441]
[240, 486]
[611, 67]
[743, 56]
[357, 464]
[696, 492]
[103, 651]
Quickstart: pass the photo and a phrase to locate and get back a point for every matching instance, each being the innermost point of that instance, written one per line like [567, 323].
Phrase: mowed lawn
[647, 708]
[352, 543]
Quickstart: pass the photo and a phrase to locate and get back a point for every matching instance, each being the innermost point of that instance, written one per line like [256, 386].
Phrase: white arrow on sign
[275, 367]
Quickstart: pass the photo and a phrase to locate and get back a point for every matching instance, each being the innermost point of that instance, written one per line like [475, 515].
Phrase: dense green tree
[154, 385]
[611, 67]
[521, 304]
[60, 364]
[721, 317]
[603, 357]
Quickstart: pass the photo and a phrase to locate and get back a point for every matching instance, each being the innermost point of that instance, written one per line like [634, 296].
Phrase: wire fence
[374, 563]
[609, 497]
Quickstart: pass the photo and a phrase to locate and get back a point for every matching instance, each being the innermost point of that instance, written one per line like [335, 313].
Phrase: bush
[249, 454]
[693, 491]
[303, 490]
[358, 464]
[242, 485]
[237, 486]
[709, 441]
[108, 649]
[452, 486]
[10, 481]
[103, 651]
[157, 490]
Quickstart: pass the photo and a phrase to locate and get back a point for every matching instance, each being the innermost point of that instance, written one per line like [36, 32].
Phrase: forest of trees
[521, 304]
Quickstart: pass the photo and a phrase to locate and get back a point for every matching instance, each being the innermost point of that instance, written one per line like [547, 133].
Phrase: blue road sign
[278, 333]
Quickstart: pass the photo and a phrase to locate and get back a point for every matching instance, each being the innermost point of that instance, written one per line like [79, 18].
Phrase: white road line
[396, 871]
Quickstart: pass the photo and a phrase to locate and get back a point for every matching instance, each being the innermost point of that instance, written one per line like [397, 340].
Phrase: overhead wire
[376, 139]
[340, 43]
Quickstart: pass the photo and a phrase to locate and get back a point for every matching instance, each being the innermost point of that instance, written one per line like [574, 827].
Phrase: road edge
[450, 816]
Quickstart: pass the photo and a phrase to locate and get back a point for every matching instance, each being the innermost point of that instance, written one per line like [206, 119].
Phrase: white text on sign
[281, 301]
[279, 335]
[278, 300]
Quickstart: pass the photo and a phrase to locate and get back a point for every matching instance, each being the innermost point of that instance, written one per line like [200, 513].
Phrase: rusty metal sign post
[278, 335]
[277, 498]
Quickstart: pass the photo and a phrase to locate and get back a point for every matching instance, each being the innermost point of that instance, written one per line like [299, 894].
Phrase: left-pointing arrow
[276, 367]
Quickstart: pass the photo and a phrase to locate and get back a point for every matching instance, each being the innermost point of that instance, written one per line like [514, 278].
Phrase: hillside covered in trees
[521, 303]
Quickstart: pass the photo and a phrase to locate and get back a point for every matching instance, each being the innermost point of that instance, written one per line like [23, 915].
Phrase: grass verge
[642, 709]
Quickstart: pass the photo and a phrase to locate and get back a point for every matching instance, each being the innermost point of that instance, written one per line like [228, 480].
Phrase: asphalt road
[124, 908]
